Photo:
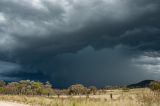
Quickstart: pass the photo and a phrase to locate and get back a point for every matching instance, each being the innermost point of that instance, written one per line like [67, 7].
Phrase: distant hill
[141, 84]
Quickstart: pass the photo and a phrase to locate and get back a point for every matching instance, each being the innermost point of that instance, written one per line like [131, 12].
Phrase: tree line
[28, 87]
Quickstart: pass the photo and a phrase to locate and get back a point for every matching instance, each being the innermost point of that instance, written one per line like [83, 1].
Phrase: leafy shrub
[155, 85]
[92, 90]
[77, 89]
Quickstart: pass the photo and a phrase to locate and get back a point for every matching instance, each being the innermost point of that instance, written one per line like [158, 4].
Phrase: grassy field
[132, 97]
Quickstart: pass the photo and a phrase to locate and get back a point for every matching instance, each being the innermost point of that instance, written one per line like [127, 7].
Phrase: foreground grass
[135, 97]
[42, 101]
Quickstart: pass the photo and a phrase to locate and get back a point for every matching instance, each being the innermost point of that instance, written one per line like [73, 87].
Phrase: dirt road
[2, 103]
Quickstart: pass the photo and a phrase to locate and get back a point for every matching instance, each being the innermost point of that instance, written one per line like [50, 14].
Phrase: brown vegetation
[43, 94]
[26, 87]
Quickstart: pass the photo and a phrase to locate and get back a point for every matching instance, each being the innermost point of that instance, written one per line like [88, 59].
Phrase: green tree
[37, 87]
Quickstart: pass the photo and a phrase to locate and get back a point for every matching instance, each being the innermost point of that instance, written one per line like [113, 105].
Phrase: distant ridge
[141, 84]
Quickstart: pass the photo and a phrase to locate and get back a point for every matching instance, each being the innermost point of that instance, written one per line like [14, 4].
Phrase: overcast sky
[93, 42]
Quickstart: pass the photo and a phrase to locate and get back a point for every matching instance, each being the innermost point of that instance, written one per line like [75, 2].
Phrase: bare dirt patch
[3, 103]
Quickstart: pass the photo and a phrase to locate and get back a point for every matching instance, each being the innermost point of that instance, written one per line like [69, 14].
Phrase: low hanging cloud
[35, 33]
[8, 67]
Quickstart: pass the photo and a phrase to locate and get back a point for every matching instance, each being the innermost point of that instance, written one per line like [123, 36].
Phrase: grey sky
[63, 39]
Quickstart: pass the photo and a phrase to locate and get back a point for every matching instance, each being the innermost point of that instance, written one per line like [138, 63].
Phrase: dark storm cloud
[33, 33]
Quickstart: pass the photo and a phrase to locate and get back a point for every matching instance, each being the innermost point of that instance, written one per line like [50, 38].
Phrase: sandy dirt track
[3, 103]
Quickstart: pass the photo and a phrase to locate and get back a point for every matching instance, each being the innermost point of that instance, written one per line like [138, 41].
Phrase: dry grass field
[131, 97]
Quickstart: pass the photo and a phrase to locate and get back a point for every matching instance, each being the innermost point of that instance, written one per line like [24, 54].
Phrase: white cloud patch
[2, 18]
[149, 64]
